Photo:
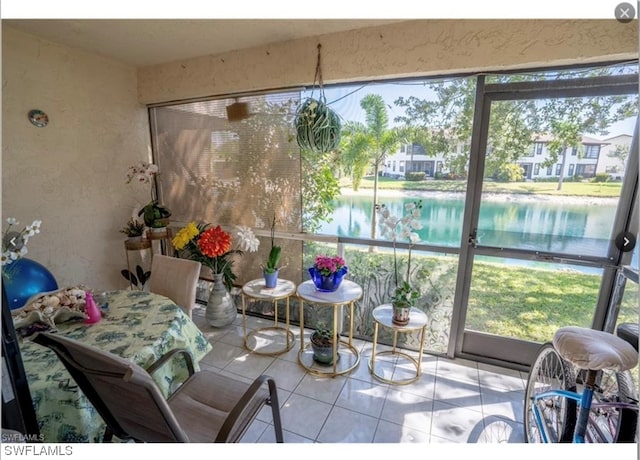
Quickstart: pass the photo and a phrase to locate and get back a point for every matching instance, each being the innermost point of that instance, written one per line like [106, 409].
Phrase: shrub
[453, 176]
[556, 179]
[601, 177]
[509, 173]
[416, 176]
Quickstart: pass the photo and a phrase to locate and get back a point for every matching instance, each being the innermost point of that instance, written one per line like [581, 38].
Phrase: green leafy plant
[133, 228]
[155, 214]
[322, 343]
[272, 261]
[405, 295]
[317, 126]
[138, 281]
[323, 334]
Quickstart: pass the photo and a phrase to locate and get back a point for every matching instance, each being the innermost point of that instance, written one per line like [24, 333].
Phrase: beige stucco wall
[71, 174]
[412, 48]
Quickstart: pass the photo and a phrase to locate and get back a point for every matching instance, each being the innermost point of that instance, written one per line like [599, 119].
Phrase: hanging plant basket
[317, 126]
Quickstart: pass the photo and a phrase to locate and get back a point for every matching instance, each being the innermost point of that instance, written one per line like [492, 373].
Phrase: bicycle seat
[594, 350]
[629, 332]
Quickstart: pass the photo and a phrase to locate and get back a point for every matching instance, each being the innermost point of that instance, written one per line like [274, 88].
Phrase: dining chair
[176, 279]
[207, 407]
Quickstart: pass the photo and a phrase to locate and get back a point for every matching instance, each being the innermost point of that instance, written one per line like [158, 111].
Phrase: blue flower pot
[327, 283]
[270, 279]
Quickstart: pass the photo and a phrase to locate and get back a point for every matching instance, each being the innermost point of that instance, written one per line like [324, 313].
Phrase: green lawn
[594, 189]
[507, 300]
[529, 303]
[532, 303]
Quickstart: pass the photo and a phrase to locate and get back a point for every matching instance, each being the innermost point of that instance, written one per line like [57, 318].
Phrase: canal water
[566, 225]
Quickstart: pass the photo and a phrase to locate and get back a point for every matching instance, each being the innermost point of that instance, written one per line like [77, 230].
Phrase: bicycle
[597, 403]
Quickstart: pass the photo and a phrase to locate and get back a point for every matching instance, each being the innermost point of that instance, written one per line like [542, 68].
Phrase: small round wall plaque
[38, 118]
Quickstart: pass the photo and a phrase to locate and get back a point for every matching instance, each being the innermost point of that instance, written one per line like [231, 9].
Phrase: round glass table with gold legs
[383, 315]
[268, 340]
[347, 357]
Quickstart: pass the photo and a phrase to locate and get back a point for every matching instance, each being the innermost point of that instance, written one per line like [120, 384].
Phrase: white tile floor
[457, 401]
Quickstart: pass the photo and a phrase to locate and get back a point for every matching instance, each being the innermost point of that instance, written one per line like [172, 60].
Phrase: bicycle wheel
[558, 414]
[610, 424]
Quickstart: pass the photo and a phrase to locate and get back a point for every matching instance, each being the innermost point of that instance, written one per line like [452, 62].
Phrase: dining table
[136, 325]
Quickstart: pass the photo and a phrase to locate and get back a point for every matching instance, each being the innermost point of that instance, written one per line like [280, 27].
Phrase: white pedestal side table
[348, 358]
[383, 315]
[267, 338]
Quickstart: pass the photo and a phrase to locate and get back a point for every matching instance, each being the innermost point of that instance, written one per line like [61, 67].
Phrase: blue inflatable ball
[24, 278]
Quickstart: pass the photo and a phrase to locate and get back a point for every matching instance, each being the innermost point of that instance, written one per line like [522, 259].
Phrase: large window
[586, 170]
[591, 151]
[243, 172]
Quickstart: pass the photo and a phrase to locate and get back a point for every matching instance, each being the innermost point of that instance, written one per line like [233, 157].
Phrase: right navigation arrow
[625, 241]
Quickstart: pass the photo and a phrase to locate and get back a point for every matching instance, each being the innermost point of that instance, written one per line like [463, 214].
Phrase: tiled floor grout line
[466, 381]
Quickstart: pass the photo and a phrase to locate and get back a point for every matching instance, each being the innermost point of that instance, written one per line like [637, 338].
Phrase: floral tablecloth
[136, 325]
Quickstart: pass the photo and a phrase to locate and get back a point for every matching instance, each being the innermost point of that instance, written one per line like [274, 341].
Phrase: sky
[345, 100]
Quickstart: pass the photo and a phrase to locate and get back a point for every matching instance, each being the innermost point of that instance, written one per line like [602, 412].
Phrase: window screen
[231, 172]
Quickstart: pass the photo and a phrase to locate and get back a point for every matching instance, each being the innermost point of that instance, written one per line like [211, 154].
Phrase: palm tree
[368, 144]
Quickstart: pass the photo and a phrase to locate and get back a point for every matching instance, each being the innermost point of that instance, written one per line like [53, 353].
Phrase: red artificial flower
[214, 242]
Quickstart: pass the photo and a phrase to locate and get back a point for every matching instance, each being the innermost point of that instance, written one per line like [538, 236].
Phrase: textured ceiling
[142, 42]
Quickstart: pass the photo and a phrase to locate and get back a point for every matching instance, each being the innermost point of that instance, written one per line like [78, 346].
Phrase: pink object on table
[92, 310]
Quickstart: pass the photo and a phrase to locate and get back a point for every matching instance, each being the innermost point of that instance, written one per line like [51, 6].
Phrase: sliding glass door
[552, 183]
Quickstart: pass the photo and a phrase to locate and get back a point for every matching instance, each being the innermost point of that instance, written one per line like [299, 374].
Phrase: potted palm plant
[322, 343]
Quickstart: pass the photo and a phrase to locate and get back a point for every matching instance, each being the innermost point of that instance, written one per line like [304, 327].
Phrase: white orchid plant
[153, 213]
[405, 227]
[142, 172]
[14, 242]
